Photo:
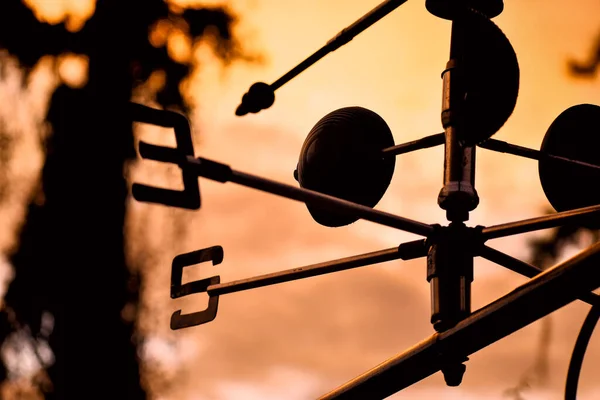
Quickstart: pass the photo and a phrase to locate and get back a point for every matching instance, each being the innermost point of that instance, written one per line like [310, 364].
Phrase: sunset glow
[73, 70]
[327, 330]
[73, 12]
[299, 340]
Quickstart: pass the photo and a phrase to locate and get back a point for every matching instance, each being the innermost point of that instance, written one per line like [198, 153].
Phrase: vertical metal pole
[458, 196]
[450, 258]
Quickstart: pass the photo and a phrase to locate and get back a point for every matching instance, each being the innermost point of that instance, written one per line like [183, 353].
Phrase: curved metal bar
[581, 344]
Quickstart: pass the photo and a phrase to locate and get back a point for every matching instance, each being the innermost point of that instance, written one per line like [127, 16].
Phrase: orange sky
[299, 340]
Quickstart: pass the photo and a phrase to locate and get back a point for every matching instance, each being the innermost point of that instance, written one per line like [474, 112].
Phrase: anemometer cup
[178, 320]
[342, 157]
[490, 73]
[573, 135]
[447, 9]
[189, 197]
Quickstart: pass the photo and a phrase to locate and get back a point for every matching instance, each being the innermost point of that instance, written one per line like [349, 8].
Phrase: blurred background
[67, 69]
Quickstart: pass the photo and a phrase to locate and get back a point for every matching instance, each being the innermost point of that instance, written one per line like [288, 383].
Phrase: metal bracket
[214, 254]
[189, 197]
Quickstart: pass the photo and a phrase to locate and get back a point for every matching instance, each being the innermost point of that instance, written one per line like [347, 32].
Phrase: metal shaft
[525, 269]
[334, 204]
[424, 143]
[543, 294]
[504, 147]
[450, 260]
[341, 39]
[406, 251]
[223, 173]
[458, 195]
[544, 222]
[450, 273]
[449, 268]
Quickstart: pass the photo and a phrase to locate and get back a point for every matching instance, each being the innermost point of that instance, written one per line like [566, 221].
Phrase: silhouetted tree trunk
[71, 261]
[73, 242]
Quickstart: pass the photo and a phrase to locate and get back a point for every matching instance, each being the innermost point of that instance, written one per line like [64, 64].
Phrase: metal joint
[450, 273]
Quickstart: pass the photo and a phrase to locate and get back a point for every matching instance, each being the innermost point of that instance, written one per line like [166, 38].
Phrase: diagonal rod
[223, 173]
[544, 222]
[405, 251]
[547, 292]
[505, 147]
[523, 268]
[341, 39]
[424, 143]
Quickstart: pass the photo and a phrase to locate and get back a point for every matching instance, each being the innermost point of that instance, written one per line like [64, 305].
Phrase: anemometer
[345, 167]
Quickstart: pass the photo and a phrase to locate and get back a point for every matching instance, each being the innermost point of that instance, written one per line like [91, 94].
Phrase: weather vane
[346, 164]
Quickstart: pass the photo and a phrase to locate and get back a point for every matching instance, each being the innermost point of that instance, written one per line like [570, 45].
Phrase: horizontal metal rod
[424, 143]
[525, 269]
[547, 292]
[543, 222]
[341, 39]
[405, 251]
[223, 173]
[333, 204]
[505, 147]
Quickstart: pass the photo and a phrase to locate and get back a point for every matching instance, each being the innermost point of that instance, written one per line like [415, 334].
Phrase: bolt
[453, 373]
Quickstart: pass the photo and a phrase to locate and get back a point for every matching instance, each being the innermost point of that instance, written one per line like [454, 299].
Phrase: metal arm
[538, 223]
[214, 288]
[261, 95]
[406, 251]
[223, 173]
[528, 270]
[505, 147]
[424, 143]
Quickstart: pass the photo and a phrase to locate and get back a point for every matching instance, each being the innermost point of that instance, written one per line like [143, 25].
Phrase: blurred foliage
[589, 66]
[25, 37]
